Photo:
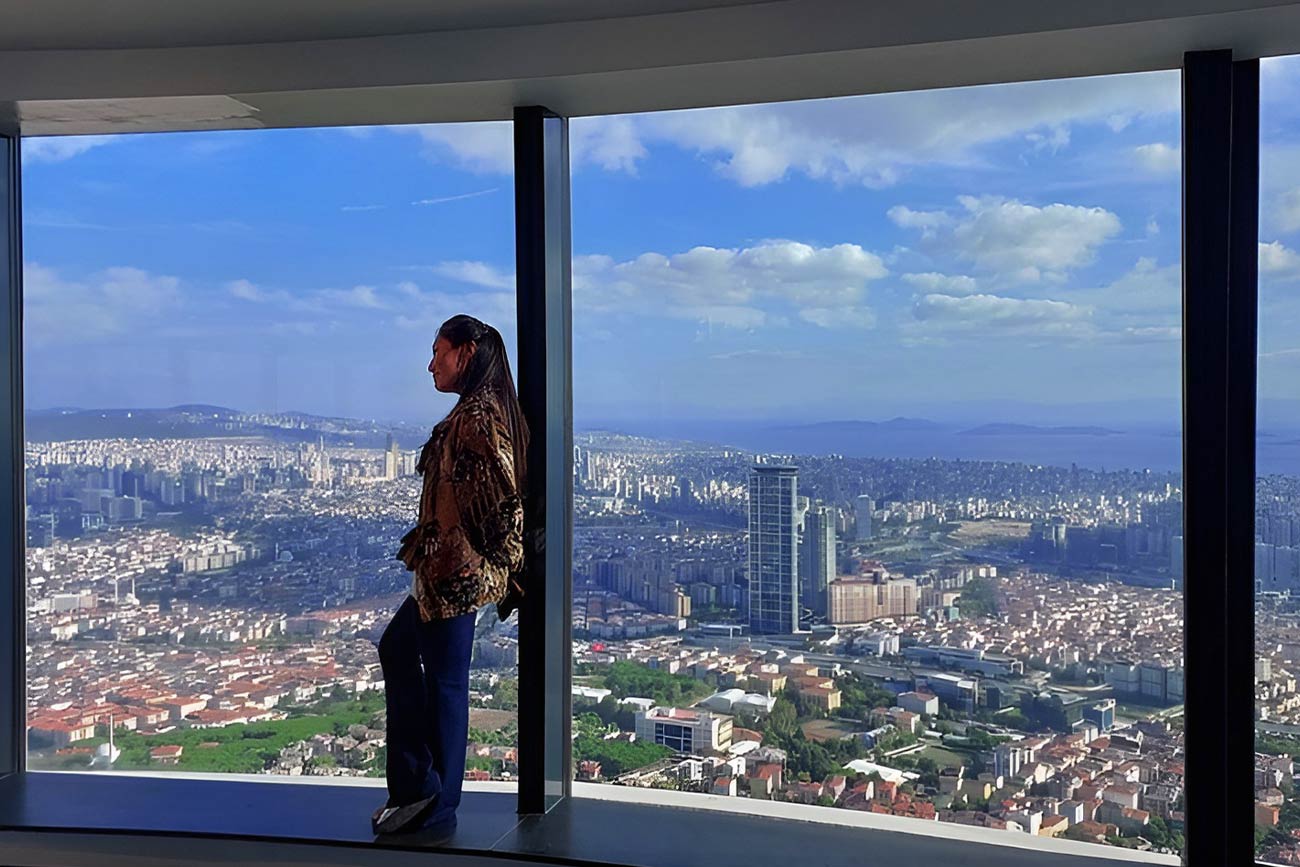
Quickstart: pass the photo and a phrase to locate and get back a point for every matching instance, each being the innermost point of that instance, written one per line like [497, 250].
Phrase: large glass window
[877, 456]
[1277, 504]
[226, 340]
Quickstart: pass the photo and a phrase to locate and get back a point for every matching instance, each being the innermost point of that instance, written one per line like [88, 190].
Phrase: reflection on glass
[878, 457]
[226, 346]
[1277, 492]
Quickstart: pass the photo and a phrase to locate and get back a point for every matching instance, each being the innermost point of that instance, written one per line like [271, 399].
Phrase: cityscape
[877, 502]
[986, 643]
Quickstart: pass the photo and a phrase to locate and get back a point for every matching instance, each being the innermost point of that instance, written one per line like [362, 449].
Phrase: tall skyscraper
[392, 461]
[773, 549]
[862, 511]
[817, 557]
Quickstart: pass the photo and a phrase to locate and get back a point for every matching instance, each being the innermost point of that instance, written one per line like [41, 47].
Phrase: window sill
[44, 817]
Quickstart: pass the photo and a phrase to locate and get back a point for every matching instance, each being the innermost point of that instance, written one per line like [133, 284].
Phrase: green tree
[783, 721]
[1016, 719]
[979, 598]
[626, 679]
[617, 756]
[505, 696]
[1157, 832]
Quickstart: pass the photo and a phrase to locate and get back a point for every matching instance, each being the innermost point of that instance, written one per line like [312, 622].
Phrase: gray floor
[579, 831]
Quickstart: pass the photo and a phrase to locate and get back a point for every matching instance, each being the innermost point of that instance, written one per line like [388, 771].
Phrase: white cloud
[735, 316]
[839, 317]
[1024, 241]
[1144, 290]
[431, 309]
[1053, 140]
[56, 149]
[357, 296]
[1277, 260]
[1286, 210]
[1151, 333]
[874, 140]
[734, 288]
[476, 273]
[1159, 157]
[486, 147]
[993, 315]
[926, 221]
[311, 302]
[760, 354]
[136, 289]
[57, 309]
[246, 290]
[1143, 305]
[869, 140]
[613, 144]
[947, 284]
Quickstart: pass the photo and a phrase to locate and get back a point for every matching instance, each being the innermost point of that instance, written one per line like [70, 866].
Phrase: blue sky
[996, 253]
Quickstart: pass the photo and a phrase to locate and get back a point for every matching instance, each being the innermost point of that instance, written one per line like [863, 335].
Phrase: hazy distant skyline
[999, 253]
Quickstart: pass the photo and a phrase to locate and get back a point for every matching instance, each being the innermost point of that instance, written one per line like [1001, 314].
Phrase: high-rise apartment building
[860, 599]
[817, 557]
[863, 507]
[773, 549]
[392, 460]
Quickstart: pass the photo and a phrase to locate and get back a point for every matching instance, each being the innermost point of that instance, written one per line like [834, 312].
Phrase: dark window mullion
[1220, 245]
[13, 676]
[542, 251]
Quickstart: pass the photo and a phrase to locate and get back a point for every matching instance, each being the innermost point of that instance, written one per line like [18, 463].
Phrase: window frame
[1220, 303]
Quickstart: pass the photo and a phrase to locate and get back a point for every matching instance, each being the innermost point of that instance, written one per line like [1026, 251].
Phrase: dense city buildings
[948, 667]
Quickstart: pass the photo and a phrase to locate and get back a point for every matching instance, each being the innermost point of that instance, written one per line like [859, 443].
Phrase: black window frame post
[543, 269]
[1220, 149]
[13, 584]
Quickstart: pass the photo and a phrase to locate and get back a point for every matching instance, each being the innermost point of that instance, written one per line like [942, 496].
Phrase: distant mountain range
[201, 420]
[1087, 445]
[850, 427]
[992, 430]
[924, 425]
[1157, 448]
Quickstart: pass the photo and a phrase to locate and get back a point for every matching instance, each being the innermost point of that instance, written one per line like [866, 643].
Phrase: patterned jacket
[467, 548]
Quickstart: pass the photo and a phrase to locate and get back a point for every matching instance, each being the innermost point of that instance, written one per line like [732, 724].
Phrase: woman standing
[465, 551]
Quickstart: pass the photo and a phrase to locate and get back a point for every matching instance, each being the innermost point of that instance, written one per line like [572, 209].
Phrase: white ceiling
[89, 66]
[88, 24]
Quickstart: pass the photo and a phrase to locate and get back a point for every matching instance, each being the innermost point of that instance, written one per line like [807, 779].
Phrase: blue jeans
[426, 687]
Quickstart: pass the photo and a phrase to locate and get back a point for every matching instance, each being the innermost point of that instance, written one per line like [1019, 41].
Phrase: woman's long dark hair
[488, 373]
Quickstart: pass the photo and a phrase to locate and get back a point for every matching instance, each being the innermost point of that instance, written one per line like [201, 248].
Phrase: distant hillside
[1034, 430]
[898, 424]
[193, 421]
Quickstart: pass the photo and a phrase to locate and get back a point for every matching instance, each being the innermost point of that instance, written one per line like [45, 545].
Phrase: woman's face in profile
[447, 363]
